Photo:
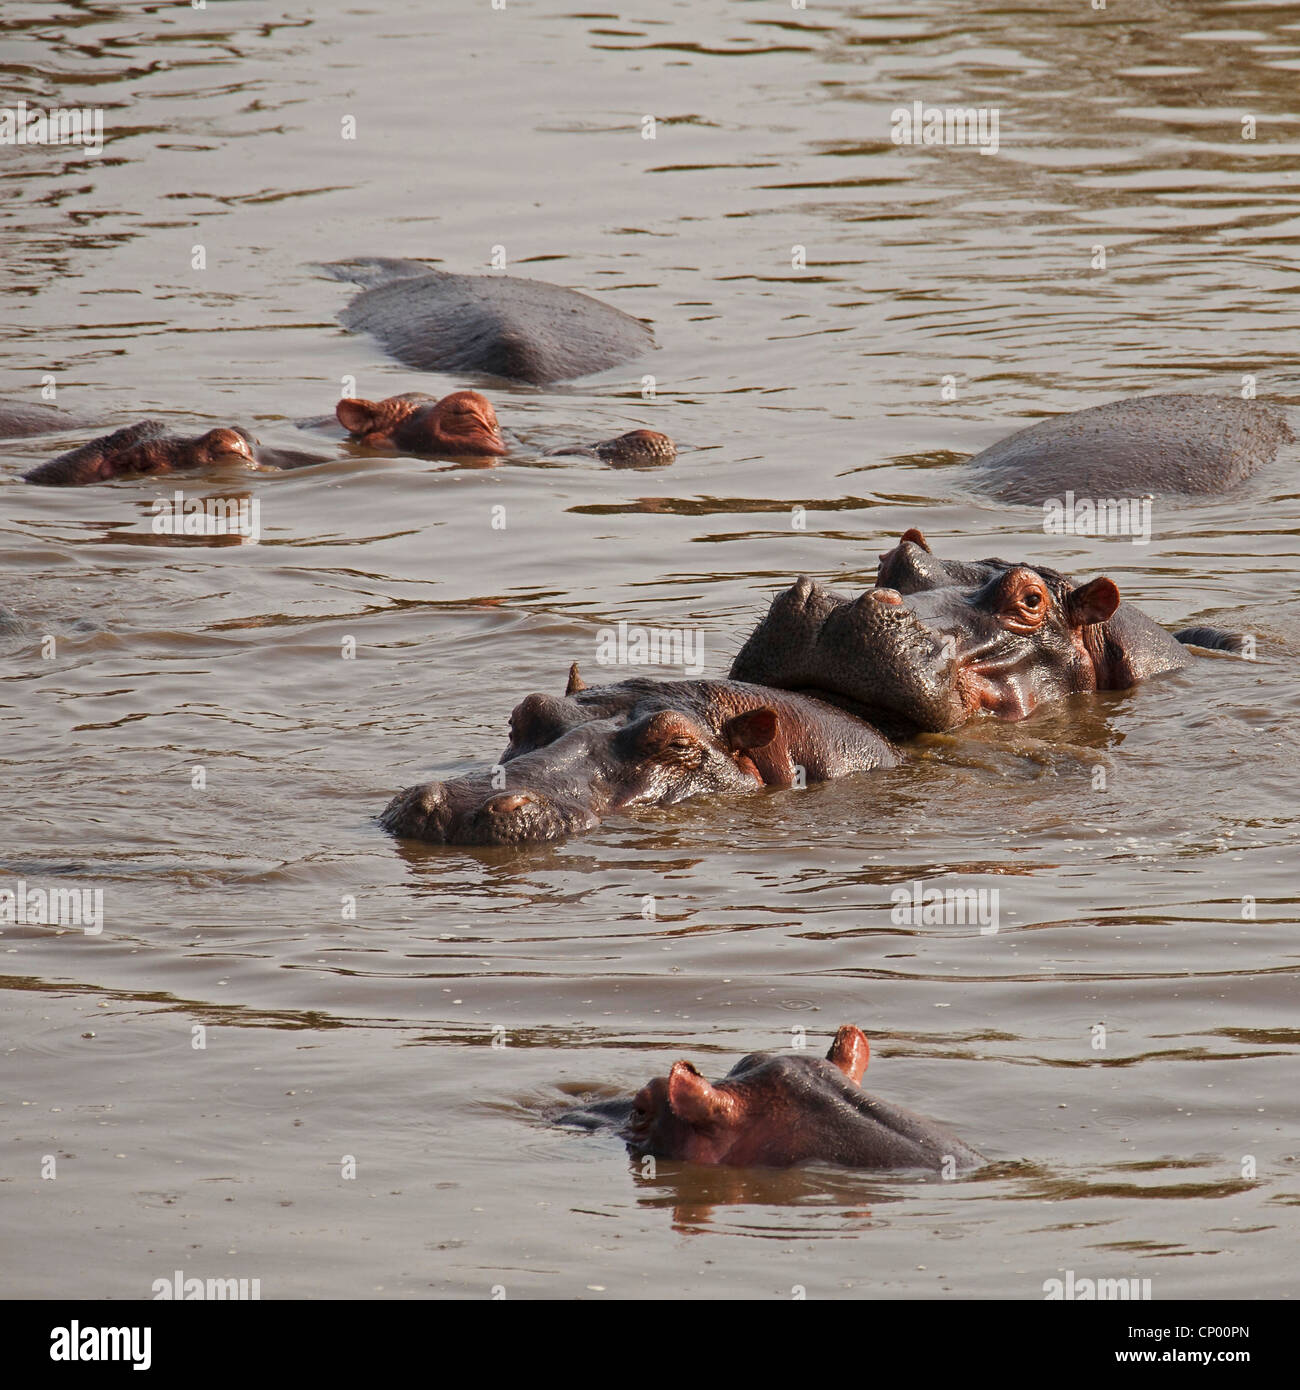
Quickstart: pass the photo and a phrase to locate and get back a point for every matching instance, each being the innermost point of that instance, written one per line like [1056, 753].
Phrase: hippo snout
[464, 812]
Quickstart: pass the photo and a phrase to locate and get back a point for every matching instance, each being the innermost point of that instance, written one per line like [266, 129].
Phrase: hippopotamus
[460, 425]
[937, 641]
[150, 447]
[22, 421]
[1189, 444]
[499, 325]
[777, 1109]
[464, 424]
[635, 449]
[572, 761]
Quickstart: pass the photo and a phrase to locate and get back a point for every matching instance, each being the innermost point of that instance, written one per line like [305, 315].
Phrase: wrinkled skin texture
[142, 449]
[1196, 445]
[500, 325]
[461, 425]
[937, 641]
[774, 1110]
[574, 760]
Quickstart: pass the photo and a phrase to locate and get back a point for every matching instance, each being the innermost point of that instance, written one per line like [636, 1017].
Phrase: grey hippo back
[499, 325]
[1196, 445]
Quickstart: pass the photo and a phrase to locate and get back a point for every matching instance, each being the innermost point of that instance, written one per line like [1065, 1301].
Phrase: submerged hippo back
[1196, 445]
[523, 330]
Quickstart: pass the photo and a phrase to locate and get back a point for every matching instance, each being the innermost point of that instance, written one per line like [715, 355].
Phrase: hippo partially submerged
[774, 1110]
[1190, 444]
[574, 760]
[144, 448]
[937, 641]
[464, 424]
[500, 325]
[461, 425]
[20, 420]
[150, 447]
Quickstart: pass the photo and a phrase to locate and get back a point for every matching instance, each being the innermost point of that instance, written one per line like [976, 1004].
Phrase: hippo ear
[913, 535]
[576, 682]
[693, 1099]
[756, 728]
[1092, 602]
[355, 415]
[850, 1052]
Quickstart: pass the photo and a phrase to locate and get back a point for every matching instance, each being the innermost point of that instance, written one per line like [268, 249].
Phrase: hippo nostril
[511, 801]
[886, 596]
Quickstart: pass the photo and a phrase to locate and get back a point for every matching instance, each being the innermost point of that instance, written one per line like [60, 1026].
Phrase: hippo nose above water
[468, 811]
[635, 449]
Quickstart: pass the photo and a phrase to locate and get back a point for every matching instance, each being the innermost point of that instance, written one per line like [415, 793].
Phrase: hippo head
[145, 448]
[573, 780]
[774, 1110]
[937, 641]
[461, 425]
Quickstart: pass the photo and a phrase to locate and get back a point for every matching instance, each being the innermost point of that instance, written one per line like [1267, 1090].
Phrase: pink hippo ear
[693, 1099]
[576, 682]
[756, 728]
[355, 415]
[1092, 602]
[850, 1052]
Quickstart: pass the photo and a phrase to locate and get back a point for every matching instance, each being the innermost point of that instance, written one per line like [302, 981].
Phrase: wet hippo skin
[147, 447]
[775, 1110]
[464, 424]
[461, 425]
[22, 421]
[938, 641]
[150, 447]
[499, 325]
[576, 759]
[1191, 444]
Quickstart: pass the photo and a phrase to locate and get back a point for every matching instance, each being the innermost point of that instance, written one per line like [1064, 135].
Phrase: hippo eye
[1032, 599]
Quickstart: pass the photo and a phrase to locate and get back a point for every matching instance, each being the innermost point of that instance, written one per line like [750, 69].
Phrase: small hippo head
[937, 641]
[774, 1110]
[462, 425]
[584, 774]
[145, 448]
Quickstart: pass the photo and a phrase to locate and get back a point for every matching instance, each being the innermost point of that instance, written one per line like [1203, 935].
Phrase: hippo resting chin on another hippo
[522, 330]
[773, 1110]
[937, 641]
[572, 761]
[464, 425]
[1196, 445]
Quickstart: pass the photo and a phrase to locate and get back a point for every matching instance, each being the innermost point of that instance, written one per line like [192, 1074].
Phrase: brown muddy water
[1170, 1153]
